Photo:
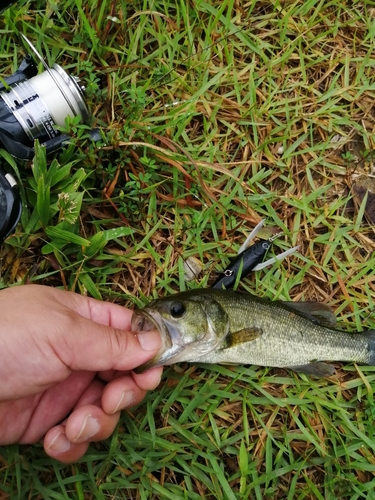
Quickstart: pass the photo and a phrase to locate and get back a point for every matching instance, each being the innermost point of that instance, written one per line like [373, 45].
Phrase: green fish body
[227, 327]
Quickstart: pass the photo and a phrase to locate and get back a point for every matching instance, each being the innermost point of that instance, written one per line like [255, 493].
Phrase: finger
[92, 395]
[59, 447]
[56, 443]
[121, 393]
[55, 404]
[90, 423]
[107, 375]
[148, 380]
[86, 345]
[104, 313]
[15, 417]
[129, 390]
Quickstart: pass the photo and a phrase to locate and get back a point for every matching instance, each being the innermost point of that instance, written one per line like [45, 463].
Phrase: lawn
[214, 115]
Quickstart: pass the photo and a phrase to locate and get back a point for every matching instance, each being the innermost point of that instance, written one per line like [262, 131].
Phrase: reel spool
[32, 105]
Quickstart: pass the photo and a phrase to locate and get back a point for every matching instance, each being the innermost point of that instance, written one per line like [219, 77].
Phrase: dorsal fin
[315, 311]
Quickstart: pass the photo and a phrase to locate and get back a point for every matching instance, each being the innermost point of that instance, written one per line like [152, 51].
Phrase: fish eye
[177, 309]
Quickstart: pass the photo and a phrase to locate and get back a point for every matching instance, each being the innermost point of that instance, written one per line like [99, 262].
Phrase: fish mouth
[146, 321]
[170, 336]
[141, 322]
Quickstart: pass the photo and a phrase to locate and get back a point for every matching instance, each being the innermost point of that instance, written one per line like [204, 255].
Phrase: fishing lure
[250, 258]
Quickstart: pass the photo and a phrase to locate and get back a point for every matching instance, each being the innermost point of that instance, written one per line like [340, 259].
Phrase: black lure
[246, 261]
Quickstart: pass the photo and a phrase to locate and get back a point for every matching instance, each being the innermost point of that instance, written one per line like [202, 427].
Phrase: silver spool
[30, 111]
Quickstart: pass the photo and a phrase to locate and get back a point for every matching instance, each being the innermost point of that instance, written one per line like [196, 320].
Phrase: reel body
[10, 205]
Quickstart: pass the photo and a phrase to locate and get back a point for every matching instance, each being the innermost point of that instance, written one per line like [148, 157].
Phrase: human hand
[65, 354]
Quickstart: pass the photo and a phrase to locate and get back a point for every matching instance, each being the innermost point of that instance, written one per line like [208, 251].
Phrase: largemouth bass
[223, 326]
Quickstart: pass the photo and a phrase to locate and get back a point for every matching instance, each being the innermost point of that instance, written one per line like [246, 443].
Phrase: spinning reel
[32, 106]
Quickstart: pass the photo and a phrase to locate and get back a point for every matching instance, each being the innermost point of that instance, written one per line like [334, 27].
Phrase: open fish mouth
[143, 323]
[172, 341]
[151, 320]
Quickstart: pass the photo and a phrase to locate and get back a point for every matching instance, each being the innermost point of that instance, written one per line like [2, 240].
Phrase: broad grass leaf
[117, 232]
[43, 200]
[97, 243]
[88, 285]
[58, 234]
[40, 161]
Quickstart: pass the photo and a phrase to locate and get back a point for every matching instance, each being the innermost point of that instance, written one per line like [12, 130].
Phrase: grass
[214, 115]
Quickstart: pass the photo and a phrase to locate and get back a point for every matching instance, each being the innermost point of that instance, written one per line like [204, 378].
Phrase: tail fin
[370, 335]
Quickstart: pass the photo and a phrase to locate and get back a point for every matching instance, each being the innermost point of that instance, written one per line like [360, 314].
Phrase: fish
[231, 327]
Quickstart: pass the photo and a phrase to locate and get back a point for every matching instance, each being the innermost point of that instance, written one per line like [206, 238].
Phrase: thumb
[88, 345]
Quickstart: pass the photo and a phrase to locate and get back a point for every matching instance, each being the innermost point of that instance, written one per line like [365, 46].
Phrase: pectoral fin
[241, 336]
[316, 368]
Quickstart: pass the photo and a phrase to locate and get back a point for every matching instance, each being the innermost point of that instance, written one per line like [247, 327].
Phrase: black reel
[10, 205]
[4, 4]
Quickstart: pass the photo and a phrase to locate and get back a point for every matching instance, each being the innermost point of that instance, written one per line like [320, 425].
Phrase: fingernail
[89, 428]
[149, 341]
[127, 399]
[60, 443]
